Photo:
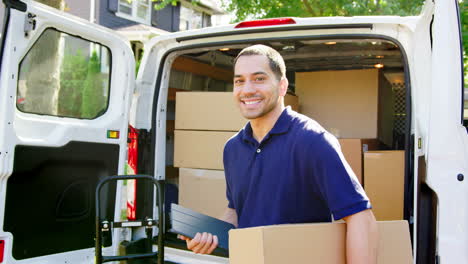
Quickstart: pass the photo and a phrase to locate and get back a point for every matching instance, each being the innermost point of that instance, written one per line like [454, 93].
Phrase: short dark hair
[275, 59]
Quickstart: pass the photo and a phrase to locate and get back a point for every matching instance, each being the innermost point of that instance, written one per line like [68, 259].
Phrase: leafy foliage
[93, 99]
[312, 8]
[464, 28]
[72, 77]
[81, 86]
[160, 4]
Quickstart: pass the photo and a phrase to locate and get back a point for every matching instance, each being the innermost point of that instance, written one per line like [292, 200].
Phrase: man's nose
[249, 87]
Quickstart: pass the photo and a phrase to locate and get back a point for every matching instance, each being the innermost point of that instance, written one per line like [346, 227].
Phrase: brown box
[200, 149]
[352, 149]
[203, 191]
[313, 243]
[212, 111]
[343, 102]
[293, 101]
[384, 182]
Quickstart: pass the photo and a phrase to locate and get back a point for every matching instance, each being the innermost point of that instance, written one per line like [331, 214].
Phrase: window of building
[136, 10]
[192, 17]
[63, 75]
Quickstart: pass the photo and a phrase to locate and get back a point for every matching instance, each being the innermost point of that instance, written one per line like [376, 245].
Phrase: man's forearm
[361, 238]
[230, 216]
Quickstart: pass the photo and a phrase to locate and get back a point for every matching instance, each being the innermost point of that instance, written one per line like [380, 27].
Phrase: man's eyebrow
[255, 73]
[260, 72]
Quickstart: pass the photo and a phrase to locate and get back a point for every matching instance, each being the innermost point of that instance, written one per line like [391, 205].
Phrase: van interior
[337, 82]
[357, 88]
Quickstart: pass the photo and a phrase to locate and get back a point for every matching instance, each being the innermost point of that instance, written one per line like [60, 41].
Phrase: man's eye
[238, 81]
[259, 79]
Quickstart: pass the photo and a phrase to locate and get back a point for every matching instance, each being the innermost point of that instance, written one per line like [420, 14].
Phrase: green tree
[93, 96]
[72, 80]
[244, 9]
[316, 8]
[42, 85]
[160, 4]
[464, 28]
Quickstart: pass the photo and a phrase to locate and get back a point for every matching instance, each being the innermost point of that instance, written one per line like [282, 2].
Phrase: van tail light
[132, 160]
[2, 250]
[266, 22]
[133, 148]
[131, 199]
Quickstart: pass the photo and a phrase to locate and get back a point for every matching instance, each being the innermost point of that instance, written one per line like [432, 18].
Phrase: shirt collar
[281, 126]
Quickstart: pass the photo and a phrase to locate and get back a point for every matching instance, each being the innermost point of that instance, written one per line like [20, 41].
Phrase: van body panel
[420, 68]
[446, 139]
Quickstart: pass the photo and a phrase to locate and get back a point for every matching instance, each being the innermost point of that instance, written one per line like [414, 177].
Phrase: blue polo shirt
[297, 174]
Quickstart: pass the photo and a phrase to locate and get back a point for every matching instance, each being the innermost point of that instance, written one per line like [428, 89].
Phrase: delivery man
[283, 167]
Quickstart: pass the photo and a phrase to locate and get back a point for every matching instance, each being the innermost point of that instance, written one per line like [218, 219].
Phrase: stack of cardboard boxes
[203, 126]
[357, 106]
[381, 172]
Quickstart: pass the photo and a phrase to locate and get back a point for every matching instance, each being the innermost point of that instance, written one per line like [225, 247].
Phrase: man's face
[256, 88]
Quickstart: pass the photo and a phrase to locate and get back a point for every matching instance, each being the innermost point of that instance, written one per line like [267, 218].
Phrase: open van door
[442, 184]
[64, 97]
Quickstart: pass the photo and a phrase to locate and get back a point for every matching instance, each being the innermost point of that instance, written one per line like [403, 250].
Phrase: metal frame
[148, 223]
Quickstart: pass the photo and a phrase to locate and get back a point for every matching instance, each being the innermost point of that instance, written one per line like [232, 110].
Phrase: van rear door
[64, 97]
[447, 140]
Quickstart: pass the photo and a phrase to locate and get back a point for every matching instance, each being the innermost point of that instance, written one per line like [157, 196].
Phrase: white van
[58, 136]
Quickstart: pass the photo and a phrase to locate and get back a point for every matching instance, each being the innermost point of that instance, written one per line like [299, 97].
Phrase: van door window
[64, 75]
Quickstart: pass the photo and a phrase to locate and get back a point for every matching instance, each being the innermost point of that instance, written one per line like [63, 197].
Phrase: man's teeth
[251, 102]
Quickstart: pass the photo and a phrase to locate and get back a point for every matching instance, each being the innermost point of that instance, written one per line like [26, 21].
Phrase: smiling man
[283, 167]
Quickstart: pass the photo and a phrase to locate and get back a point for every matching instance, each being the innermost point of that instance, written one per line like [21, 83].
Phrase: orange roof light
[379, 66]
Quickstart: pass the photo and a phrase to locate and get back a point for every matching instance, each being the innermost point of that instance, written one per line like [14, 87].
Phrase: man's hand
[203, 243]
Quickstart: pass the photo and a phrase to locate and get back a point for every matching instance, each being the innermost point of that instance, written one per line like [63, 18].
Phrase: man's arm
[205, 243]
[230, 216]
[361, 238]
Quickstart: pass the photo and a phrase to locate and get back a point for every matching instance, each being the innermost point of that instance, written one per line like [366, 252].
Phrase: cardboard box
[203, 191]
[313, 243]
[200, 149]
[384, 182]
[344, 102]
[213, 111]
[293, 101]
[352, 149]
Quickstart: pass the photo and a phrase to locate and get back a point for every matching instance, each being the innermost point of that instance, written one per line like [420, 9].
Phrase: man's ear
[283, 84]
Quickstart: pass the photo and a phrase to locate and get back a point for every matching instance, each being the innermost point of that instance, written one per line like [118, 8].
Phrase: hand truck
[106, 225]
